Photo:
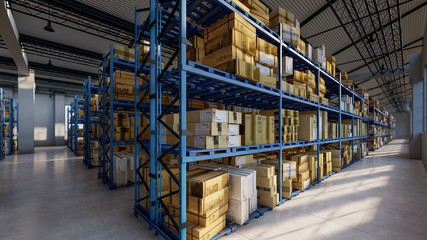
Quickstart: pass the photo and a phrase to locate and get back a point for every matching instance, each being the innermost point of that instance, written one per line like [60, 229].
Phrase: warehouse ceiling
[366, 36]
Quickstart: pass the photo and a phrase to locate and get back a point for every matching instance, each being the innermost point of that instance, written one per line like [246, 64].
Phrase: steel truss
[108, 105]
[375, 31]
[91, 118]
[172, 22]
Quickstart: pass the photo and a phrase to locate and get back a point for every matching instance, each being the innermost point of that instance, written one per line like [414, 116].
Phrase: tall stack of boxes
[266, 61]
[258, 129]
[208, 193]
[124, 85]
[302, 180]
[290, 123]
[288, 172]
[347, 103]
[266, 184]
[243, 191]
[258, 10]
[291, 27]
[230, 46]
[124, 127]
[327, 162]
[331, 65]
[319, 56]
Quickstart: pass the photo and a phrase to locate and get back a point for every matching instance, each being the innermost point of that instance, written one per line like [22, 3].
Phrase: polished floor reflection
[51, 195]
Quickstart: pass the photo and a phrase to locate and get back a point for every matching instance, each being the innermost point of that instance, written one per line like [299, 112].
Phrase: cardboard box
[206, 116]
[208, 129]
[231, 21]
[241, 68]
[302, 176]
[234, 141]
[208, 142]
[238, 211]
[205, 182]
[201, 206]
[307, 131]
[239, 160]
[266, 182]
[234, 117]
[266, 59]
[216, 41]
[262, 170]
[200, 232]
[248, 129]
[269, 201]
[301, 185]
[287, 189]
[233, 129]
[225, 55]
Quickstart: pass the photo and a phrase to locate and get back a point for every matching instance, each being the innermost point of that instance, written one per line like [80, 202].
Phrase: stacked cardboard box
[287, 87]
[327, 161]
[124, 85]
[258, 129]
[266, 61]
[266, 184]
[243, 192]
[299, 80]
[346, 128]
[230, 46]
[362, 92]
[313, 166]
[336, 160]
[374, 103]
[290, 123]
[347, 103]
[346, 154]
[331, 65]
[210, 129]
[124, 127]
[80, 147]
[302, 180]
[319, 55]
[196, 53]
[94, 102]
[307, 130]
[333, 129]
[290, 26]
[258, 10]
[288, 172]
[208, 193]
[323, 125]
[128, 54]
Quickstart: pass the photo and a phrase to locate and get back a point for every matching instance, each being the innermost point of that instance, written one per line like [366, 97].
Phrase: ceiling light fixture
[48, 27]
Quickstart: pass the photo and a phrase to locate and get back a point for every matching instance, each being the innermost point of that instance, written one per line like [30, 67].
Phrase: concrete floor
[50, 195]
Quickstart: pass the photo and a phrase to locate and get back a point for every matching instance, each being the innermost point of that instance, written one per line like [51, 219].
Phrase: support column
[27, 98]
[416, 106]
[59, 119]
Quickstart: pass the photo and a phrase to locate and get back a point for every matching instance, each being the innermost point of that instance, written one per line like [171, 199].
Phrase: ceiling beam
[49, 44]
[366, 64]
[10, 36]
[384, 26]
[317, 13]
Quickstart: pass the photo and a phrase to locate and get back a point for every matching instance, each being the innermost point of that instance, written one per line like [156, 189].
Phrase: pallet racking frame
[69, 126]
[77, 105]
[388, 125]
[166, 28]
[108, 106]
[90, 118]
[13, 107]
[2, 121]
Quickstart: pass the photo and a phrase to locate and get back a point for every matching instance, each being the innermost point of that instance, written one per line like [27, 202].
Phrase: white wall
[44, 120]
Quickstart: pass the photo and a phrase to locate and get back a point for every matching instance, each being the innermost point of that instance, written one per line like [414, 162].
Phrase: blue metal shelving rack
[108, 106]
[374, 112]
[78, 105]
[2, 125]
[12, 107]
[189, 80]
[69, 126]
[91, 118]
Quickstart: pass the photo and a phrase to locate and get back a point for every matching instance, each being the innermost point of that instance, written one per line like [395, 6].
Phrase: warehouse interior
[213, 119]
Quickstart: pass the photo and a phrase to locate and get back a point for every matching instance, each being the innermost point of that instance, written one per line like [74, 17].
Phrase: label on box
[266, 71]
[266, 58]
[215, 115]
[233, 129]
[234, 141]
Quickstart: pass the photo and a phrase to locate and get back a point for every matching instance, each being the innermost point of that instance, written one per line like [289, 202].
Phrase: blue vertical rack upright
[91, 118]
[77, 121]
[169, 26]
[108, 106]
[12, 108]
[69, 127]
[2, 124]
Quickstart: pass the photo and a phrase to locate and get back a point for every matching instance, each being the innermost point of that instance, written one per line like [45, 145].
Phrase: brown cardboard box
[266, 182]
[301, 185]
[233, 20]
[227, 54]
[203, 183]
[208, 129]
[208, 115]
[269, 201]
[231, 37]
[234, 117]
[307, 131]
[238, 160]
[200, 206]
[302, 176]
[208, 142]
[241, 68]
[248, 129]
